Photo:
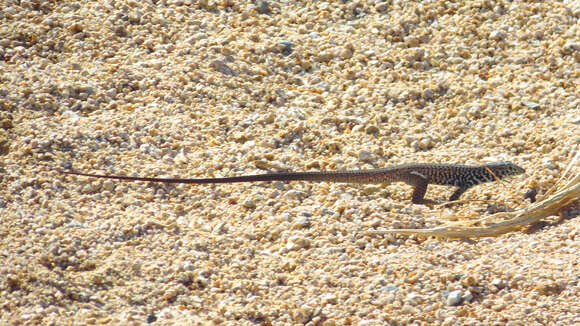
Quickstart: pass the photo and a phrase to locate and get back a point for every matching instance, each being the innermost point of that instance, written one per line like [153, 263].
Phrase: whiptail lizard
[418, 175]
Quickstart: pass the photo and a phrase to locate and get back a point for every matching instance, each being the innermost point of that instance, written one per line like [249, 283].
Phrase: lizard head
[504, 168]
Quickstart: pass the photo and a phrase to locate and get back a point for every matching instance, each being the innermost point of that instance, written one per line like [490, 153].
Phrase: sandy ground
[217, 88]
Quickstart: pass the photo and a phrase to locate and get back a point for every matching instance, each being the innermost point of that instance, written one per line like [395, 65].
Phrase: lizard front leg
[458, 193]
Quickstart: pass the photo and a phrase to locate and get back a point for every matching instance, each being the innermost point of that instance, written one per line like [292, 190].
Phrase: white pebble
[497, 36]
[454, 298]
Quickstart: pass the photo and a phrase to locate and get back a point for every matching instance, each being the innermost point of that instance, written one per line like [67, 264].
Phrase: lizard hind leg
[420, 182]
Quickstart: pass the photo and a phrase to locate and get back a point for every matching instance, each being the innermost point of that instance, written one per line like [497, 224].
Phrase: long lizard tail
[349, 176]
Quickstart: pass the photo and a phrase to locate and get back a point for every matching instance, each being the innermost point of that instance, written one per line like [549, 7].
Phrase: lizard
[418, 175]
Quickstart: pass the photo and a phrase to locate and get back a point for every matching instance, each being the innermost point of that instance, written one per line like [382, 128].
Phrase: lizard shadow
[566, 214]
